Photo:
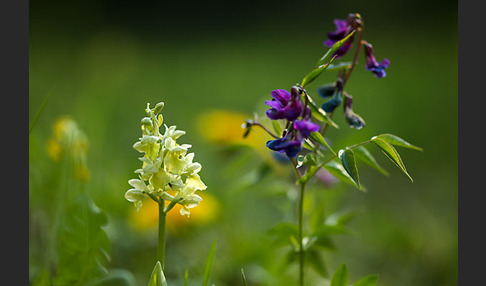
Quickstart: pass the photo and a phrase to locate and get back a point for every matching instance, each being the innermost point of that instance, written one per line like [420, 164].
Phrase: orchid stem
[161, 234]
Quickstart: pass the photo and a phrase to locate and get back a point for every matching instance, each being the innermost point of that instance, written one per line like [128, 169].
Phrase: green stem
[161, 237]
[300, 234]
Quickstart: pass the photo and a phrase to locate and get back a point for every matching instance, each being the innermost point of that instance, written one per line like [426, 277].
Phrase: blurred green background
[102, 61]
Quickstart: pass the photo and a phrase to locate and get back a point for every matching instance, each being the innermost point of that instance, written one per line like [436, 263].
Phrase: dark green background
[104, 60]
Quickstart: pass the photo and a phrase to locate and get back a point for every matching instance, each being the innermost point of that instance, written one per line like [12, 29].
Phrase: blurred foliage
[102, 61]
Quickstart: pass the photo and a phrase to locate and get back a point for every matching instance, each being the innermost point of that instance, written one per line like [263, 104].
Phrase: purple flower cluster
[288, 105]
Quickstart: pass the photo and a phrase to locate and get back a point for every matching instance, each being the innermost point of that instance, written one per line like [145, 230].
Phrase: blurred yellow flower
[225, 127]
[69, 141]
[147, 217]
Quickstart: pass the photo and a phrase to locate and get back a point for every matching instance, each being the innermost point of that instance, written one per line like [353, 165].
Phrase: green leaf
[346, 157]
[41, 108]
[340, 277]
[364, 155]
[397, 141]
[339, 66]
[243, 277]
[310, 77]
[339, 172]
[370, 280]
[83, 244]
[209, 264]
[333, 49]
[320, 139]
[283, 231]
[319, 113]
[157, 278]
[391, 153]
[341, 218]
[316, 262]
[310, 160]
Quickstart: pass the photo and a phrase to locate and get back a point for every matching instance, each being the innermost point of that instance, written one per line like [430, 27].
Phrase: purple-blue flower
[284, 105]
[337, 98]
[343, 28]
[290, 147]
[378, 69]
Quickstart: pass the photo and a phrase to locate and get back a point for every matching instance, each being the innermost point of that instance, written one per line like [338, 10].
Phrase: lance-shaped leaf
[369, 280]
[339, 172]
[243, 277]
[313, 257]
[209, 264]
[333, 49]
[319, 113]
[157, 278]
[364, 155]
[346, 157]
[83, 244]
[320, 139]
[340, 277]
[391, 153]
[310, 77]
[397, 141]
[339, 66]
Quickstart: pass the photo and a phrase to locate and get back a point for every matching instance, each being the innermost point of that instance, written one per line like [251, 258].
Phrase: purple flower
[378, 69]
[284, 105]
[285, 145]
[305, 127]
[343, 28]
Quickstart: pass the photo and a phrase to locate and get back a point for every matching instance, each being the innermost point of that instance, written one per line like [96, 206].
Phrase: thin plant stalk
[300, 234]
[161, 234]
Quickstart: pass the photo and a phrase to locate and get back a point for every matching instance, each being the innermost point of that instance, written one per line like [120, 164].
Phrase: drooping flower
[330, 105]
[284, 105]
[353, 119]
[378, 69]
[343, 29]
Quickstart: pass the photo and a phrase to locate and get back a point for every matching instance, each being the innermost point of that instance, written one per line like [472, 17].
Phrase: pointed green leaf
[315, 260]
[209, 264]
[157, 278]
[340, 277]
[339, 172]
[83, 244]
[364, 155]
[310, 77]
[346, 157]
[309, 160]
[339, 66]
[243, 277]
[370, 280]
[397, 141]
[333, 49]
[391, 153]
[320, 139]
[319, 113]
